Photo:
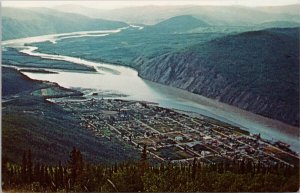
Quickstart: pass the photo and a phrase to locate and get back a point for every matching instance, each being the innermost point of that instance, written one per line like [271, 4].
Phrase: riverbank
[37, 71]
[170, 97]
[128, 83]
[29, 121]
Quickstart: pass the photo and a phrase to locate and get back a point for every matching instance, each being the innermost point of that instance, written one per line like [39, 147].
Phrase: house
[178, 138]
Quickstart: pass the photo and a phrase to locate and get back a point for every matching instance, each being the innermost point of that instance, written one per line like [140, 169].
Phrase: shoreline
[269, 124]
[269, 121]
[38, 71]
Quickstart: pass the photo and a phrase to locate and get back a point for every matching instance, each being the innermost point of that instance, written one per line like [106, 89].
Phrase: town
[175, 136]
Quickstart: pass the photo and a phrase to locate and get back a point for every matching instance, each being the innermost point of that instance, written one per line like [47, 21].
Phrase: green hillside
[30, 122]
[177, 24]
[256, 70]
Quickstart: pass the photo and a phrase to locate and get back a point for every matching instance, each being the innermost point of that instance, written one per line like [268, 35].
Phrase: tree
[24, 168]
[60, 177]
[144, 161]
[194, 167]
[73, 165]
[76, 165]
[36, 172]
[47, 176]
[6, 174]
[42, 175]
[29, 167]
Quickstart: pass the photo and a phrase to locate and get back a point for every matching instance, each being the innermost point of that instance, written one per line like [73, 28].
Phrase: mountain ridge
[177, 24]
[20, 23]
[214, 15]
[238, 70]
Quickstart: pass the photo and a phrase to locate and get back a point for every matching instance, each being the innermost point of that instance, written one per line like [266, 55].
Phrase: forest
[77, 175]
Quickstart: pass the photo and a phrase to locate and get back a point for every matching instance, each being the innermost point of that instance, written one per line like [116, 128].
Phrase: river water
[122, 80]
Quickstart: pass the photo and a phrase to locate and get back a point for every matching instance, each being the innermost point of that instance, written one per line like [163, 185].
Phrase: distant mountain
[257, 71]
[277, 24]
[82, 10]
[177, 24]
[18, 23]
[285, 9]
[214, 15]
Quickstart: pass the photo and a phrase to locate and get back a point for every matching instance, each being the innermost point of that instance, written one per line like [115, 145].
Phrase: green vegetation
[77, 175]
[31, 122]
[12, 57]
[178, 24]
[129, 47]
[256, 70]
[14, 83]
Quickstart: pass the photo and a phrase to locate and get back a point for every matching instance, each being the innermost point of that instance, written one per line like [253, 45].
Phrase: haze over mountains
[225, 53]
[214, 15]
[18, 23]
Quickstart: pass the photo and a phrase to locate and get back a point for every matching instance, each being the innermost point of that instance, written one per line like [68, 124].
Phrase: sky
[114, 4]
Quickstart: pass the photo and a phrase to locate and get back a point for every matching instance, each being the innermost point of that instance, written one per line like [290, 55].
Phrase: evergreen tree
[36, 172]
[47, 176]
[29, 167]
[42, 175]
[194, 167]
[24, 168]
[73, 165]
[130, 177]
[144, 161]
[60, 176]
[76, 166]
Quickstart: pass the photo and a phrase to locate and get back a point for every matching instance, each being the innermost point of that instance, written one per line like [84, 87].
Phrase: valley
[163, 96]
[232, 68]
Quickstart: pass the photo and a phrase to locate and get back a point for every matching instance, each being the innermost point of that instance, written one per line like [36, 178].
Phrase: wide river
[111, 78]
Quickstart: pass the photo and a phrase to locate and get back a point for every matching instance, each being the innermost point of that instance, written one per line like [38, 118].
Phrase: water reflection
[125, 80]
[139, 89]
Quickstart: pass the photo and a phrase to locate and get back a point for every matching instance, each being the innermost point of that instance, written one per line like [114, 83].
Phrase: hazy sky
[112, 4]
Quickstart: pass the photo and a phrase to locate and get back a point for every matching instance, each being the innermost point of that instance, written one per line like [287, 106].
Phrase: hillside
[81, 176]
[214, 15]
[30, 122]
[257, 71]
[177, 24]
[281, 24]
[16, 82]
[18, 23]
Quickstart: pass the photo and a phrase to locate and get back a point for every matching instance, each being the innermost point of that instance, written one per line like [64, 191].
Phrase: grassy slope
[50, 132]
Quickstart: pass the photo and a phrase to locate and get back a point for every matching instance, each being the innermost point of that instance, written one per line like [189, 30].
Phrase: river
[117, 79]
